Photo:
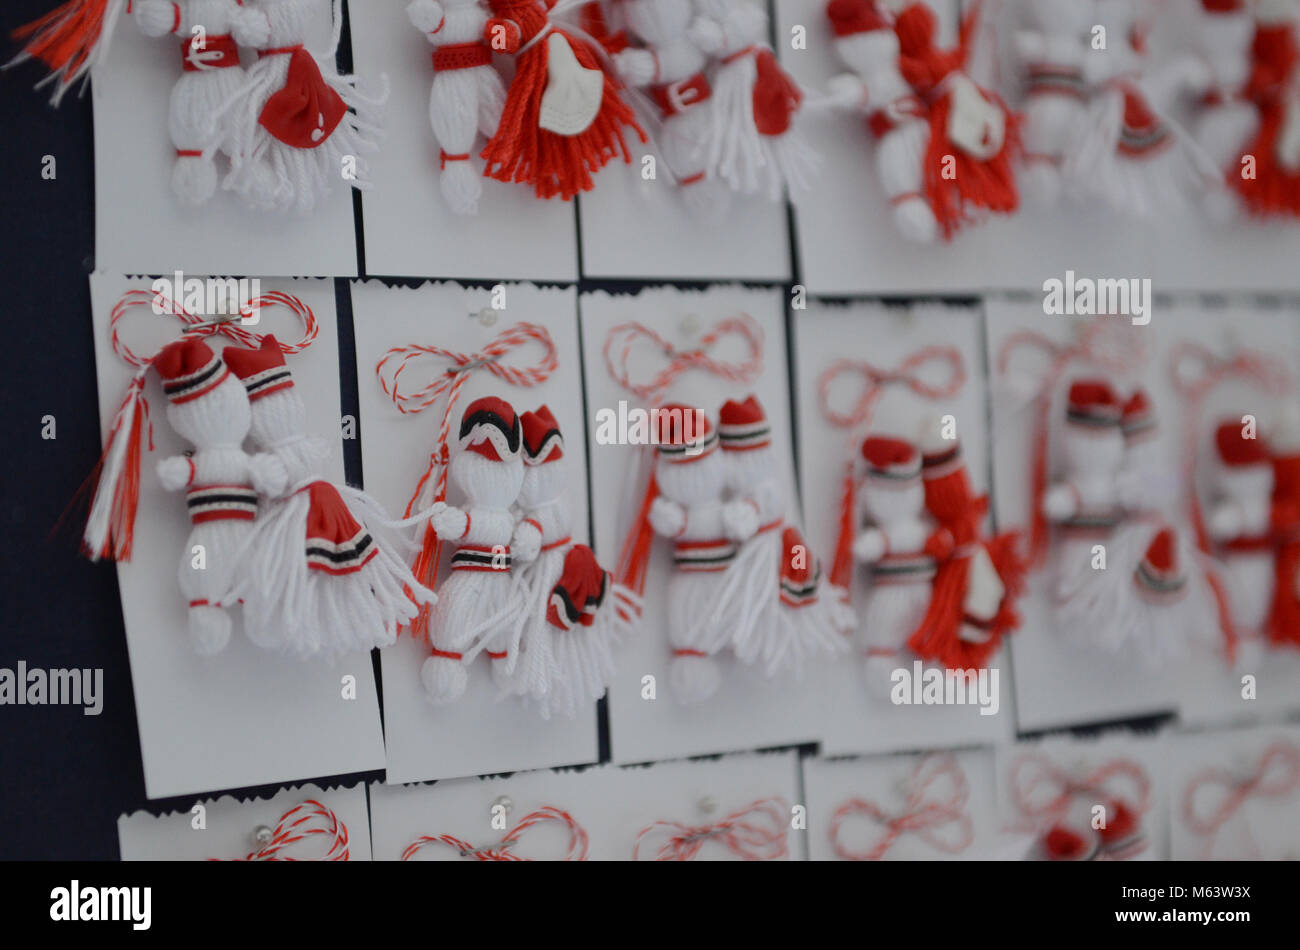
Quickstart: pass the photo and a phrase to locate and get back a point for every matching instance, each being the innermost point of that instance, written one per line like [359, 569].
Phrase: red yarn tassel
[970, 183]
[65, 39]
[522, 151]
[634, 558]
[842, 564]
[1274, 190]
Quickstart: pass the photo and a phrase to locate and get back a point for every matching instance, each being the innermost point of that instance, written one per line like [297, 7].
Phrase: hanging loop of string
[1103, 342]
[1276, 775]
[924, 813]
[913, 374]
[311, 822]
[110, 527]
[503, 850]
[621, 345]
[623, 341]
[1034, 773]
[413, 393]
[757, 832]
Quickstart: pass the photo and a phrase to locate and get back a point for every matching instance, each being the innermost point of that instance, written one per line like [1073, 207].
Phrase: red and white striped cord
[622, 341]
[757, 832]
[1276, 775]
[503, 850]
[305, 822]
[874, 382]
[449, 383]
[1105, 343]
[922, 815]
[227, 325]
[1064, 787]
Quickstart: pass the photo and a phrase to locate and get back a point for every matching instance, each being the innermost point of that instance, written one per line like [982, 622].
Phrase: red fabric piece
[305, 113]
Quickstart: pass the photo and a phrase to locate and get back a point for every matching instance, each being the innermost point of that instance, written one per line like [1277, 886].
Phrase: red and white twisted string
[874, 382]
[757, 832]
[921, 815]
[396, 369]
[503, 850]
[311, 821]
[1276, 775]
[1104, 342]
[621, 345]
[623, 341]
[1065, 787]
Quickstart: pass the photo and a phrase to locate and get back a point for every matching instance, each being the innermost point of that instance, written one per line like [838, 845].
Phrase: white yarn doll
[198, 118]
[898, 545]
[1085, 502]
[480, 604]
[1239, 521]
[568, 624]
[691, 477]
[782, 619]
[300, 127]
[1130, 154]
[1155, 588]
[866, 42]
[1053, 46]
[756, 146]
[467, 96]
[209, 408]
[672, 69]
[322, 576]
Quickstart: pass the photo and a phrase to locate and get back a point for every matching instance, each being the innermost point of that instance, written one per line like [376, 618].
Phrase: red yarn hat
[263, 371]
[1223, 6]
[1064, 844]
[542, 439]
[1237, 451]
[1123, 831]
[1160, 571]
[798, 584]
[743, 426]
[189, 369]
[490, 428]
[1093, 403]
[1138, 418]
[683, 433]
[849, 17]
[890, 458]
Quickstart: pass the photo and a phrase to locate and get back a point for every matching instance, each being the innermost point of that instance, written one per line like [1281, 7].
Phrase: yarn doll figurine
[467, 95]
[690, 479]
[209, 408]
[198, 117]
[973, 601]
[322, 576]
[568, 624]
[1240, 521]
[900, 545]
[967, 168]
[782, 617]
[1053, 48]
[299, 127]
[479, 605]
[1129, 154]
[1284, 443]
[672, 69]
[755, 143]
[866, 42]
[1085, 503]
[563, 118]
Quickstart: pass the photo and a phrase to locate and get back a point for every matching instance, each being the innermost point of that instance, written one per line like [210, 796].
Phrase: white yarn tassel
[272, 174]
[467, 95]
